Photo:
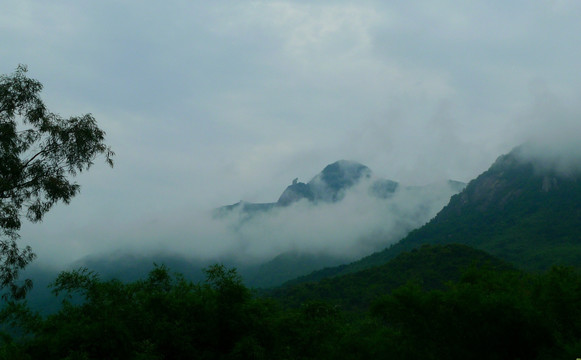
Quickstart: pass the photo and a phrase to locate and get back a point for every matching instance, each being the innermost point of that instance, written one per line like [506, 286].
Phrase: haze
[208, 103]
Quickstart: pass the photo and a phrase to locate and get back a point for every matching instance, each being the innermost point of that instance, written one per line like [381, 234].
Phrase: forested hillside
[517, 210]
[483, 312]
[430, 267]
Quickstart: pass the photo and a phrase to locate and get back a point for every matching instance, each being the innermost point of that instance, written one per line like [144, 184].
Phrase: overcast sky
[210, 102]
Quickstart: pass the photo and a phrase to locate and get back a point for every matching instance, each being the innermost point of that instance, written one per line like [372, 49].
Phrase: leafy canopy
[39, 152]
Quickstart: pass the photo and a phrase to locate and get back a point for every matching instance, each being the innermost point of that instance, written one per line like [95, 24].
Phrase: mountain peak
[344, 172]
[328, 186]
[331, 183]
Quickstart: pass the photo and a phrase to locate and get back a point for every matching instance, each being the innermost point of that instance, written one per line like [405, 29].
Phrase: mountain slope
[431, 266]
[517, 210]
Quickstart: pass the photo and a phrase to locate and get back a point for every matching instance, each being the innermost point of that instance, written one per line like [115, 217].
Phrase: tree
[162, 316]
[39, 152]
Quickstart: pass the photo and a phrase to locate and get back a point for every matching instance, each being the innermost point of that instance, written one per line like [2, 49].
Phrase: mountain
[426, 296]
[432, 266]
[344, 212]
[331, 186]
[336, 217]
[520, 210]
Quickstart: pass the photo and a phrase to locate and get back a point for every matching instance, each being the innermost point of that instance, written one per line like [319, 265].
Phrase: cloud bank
[356, 226]
[552, 131]
[206, 103]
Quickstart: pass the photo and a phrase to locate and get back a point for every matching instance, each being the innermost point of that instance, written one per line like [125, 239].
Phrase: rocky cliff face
[512, 178]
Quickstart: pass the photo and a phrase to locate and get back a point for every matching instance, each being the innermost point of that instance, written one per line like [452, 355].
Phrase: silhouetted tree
[39, 152]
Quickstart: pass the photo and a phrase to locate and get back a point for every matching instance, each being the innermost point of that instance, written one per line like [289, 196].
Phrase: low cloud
[552, 131]
[354, 227]
[209, 102]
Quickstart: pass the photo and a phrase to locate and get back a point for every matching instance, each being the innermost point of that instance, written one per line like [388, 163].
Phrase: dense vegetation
[488, 312]
[430, 266]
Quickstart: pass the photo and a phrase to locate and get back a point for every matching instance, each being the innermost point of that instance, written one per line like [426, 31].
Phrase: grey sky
[207, 103]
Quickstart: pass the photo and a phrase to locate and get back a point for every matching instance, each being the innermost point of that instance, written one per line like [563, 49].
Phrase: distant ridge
[329, 186]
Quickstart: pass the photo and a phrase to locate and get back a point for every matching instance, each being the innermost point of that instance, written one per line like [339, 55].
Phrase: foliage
[488, 313]
[431, 265]
[162, 316]
[39, 151]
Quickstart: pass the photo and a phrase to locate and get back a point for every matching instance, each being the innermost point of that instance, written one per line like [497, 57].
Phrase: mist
[206, 103]
[356, 226]
[552, 132]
